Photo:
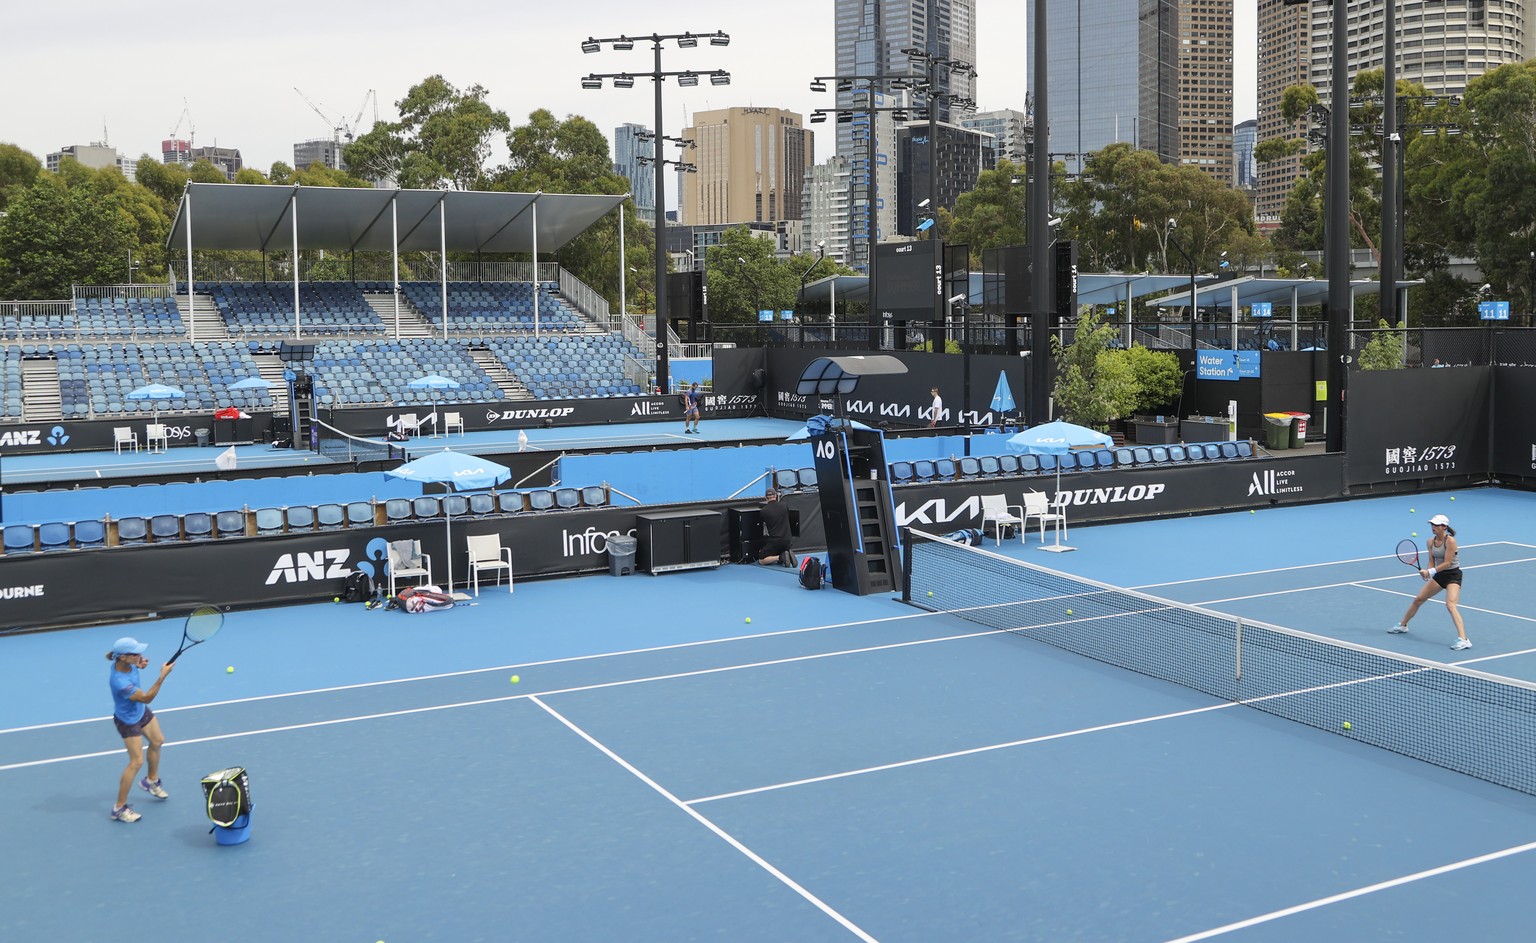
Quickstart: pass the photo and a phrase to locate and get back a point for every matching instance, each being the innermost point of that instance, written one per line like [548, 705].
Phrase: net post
[1239, 650]
[906, 564]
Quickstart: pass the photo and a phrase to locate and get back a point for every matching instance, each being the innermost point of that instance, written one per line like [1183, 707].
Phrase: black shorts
[1447, 577]
[773, 547]
[129, 731]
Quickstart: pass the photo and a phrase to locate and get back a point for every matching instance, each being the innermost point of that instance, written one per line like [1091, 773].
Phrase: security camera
[958, 298]
[1053, 222]
[821, 243]
[1486, 287]
[923, 204]
[741, 260]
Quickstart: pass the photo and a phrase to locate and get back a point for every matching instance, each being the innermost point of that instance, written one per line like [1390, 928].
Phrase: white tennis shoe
[1461, 645]
[1397, 630]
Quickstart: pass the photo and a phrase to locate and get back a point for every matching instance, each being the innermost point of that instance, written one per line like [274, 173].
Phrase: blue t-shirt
[695, 399]
[124, 683]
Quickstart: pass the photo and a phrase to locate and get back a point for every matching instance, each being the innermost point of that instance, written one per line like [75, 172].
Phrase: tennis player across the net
[1454, 717]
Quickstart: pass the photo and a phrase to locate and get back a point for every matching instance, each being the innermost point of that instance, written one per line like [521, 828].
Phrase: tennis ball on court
[1412, 511]
[335, 599]
[1069, 612]
[930, 592]
[1346, 725]
[230, 670]
[749, 618]
[516, 679]
[1415, 533]
[1252, 511]
[1453, 499]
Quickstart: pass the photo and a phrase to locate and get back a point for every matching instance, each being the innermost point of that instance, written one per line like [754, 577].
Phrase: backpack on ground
[359, 588]
[812, 573]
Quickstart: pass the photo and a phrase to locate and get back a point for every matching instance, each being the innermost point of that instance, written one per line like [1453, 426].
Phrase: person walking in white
[938, 408]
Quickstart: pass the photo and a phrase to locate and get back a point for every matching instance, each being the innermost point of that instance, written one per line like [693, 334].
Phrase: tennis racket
[1408, 552]
[200, 627]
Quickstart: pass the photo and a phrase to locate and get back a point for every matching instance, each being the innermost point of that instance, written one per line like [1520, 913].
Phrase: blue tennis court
[838, 768]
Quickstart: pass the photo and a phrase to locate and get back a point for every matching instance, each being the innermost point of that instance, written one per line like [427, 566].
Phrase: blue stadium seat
[424, 506]
[541, 500]
[808, 478]
[330, 516]
[923, 470]
[165, 527]
[197, 525]
[1245, 449]
[567, 498]
[945, 469]
[360, 514]
[1159, 455]
[1177, 453]
[1142, 455]
[299, 518]
[1029, 464]
[90, 534]
[132, 530]
[594, 496]
[229, 524]
[970, 467]
[482, 503]
[1008, 465]
[989, 465]
[786, 479]
[20, 538]
[1229, 450]
[511, 502]
[269, 521]
[901, 472]
[397, 510]
[455, 505]
[53, 536]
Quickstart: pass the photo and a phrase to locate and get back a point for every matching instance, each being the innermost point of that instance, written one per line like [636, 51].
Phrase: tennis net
[1465, 720]
[338, 446]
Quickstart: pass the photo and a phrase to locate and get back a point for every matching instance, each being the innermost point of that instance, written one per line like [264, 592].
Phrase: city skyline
[132, 79]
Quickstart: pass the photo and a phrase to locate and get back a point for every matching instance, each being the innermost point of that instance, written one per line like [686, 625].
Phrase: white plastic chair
[123, 435]
[407, 424]
[1038, 507]
[997, 513]
[487, 553]
[155, 432]
[407, 560]
[452, 421]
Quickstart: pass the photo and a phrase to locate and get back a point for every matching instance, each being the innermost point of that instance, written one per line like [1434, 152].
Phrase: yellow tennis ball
[749, 618]
[1412, 511]
[230, 670]
[1346, 725]
[1415, 533]
[1453, 497]
[930, 592]
[516, 679]
[1252, 511]
[1069, 612]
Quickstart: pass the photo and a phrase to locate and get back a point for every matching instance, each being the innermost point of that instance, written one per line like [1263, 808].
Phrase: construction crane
[185, 119]
[338, 124]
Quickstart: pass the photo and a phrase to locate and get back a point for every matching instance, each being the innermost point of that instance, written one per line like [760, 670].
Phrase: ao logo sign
[826, 449]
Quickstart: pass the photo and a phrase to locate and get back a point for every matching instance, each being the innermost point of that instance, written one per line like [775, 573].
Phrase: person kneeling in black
[776, 525]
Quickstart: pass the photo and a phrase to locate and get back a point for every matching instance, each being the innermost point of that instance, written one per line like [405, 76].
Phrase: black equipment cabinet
[746, 533]
[677, 540]
[234, 431]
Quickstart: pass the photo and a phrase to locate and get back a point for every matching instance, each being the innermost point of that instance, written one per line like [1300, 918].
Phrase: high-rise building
[1012, 133]
[630, 143]
[175, 151]
[870, 37]
[962, 155]
[323, 151]
[826, 208]
[1113, 75]
[1442, 46]
[226, 159]
[98, 155]
[750, 164]
[1205, 87]
[1245, 170]
[1285, 59]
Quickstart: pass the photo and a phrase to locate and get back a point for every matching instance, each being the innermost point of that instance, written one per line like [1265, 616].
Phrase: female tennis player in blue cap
[1443, 572]
[135, 722]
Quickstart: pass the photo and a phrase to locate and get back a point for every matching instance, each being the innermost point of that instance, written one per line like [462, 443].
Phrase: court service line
[474, 671]
[1357, 892]
[1365, 583]
[515, 697]
[973, 751]
[1491, 612]
[1310, 566]
[719, 832]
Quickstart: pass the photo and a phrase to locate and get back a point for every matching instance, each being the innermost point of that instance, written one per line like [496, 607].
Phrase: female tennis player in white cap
[135, 722]
[1444, 573]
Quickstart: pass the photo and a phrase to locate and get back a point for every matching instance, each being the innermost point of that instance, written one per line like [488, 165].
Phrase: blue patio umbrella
[433, 382]
[460, 471]
[1002, 397]
[157, 392]
[252, 383]
[1057, 438]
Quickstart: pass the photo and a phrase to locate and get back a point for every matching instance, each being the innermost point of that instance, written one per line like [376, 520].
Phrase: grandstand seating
[256, 308]
[492, 307]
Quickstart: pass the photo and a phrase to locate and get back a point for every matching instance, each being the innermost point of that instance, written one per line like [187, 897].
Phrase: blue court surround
[841, 768]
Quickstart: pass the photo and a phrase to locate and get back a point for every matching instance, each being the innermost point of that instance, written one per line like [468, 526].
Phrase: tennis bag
[812, 573]
[228, 794]
[359, 588]
[422, 599]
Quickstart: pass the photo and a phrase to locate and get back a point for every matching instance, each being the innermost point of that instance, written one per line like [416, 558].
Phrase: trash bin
[621, 555]
[1277, 431]
[1299, 429]
[202, 437]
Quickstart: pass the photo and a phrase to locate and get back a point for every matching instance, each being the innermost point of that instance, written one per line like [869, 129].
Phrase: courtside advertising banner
[111, 584]
[1514, 436]
[1133, 493]
[1417, 425]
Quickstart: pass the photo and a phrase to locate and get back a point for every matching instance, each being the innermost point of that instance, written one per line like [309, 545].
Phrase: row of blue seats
[988, 466]
[794, 479]
[295, 519]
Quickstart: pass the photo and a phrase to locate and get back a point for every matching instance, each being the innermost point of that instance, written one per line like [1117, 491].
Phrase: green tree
[744, 278]
[992, 214]
[1158, 374]
[55, 235]
[443, 139]
[1384, 351]
[18, 170]
[1093, 386]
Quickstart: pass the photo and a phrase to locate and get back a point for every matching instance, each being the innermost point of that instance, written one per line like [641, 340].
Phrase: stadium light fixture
[624, 81]
[591, 45]
[687, 41]
[719, 78]
[817, 85]
[818, 117]
[623, 44]
[719, 39]
[688, 79]
[591, 81]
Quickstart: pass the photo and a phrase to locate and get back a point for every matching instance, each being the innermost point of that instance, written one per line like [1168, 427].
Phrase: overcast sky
[73, 72]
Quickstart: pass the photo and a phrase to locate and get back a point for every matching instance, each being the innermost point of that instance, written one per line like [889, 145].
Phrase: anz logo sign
[305, 567]
[14, 437]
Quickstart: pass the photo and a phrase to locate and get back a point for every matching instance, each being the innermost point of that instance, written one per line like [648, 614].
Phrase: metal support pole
[186, 205]
[293, 217]
[1336, 229]
[662, 322]
[1039, 229]
[1391, 237]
